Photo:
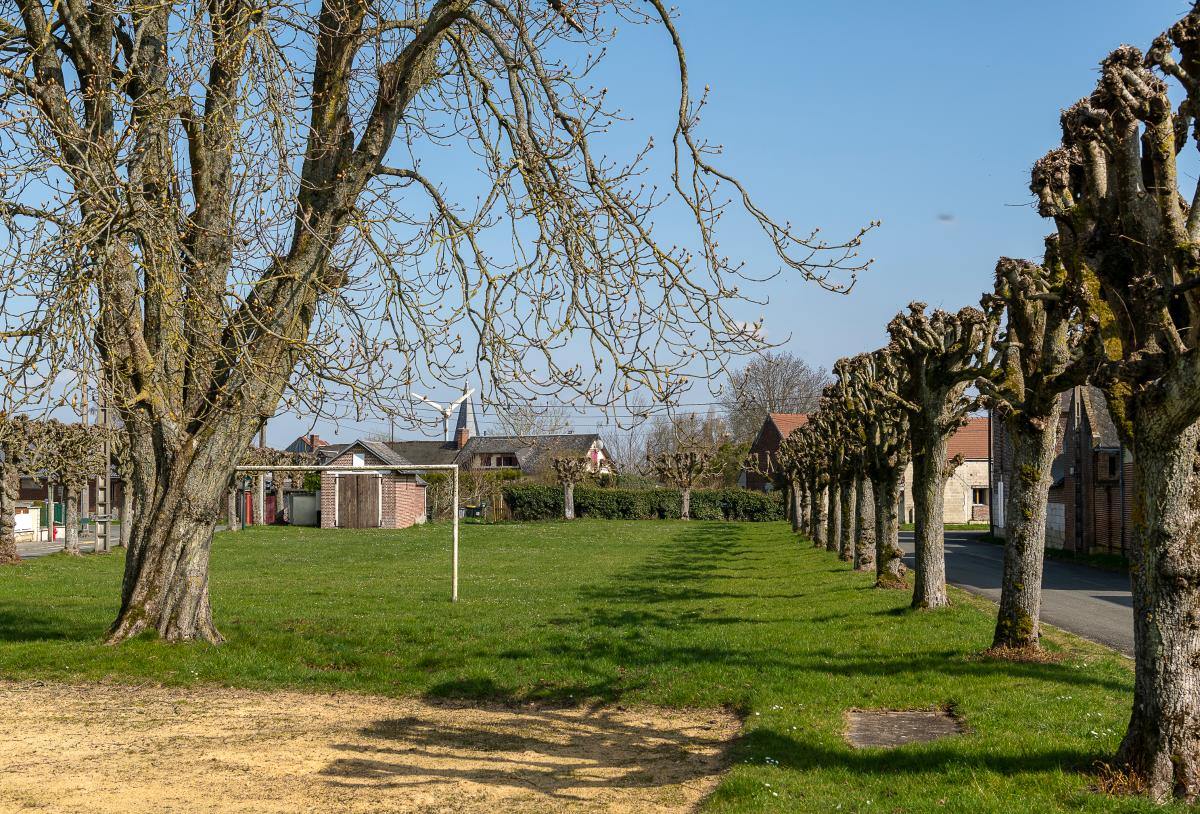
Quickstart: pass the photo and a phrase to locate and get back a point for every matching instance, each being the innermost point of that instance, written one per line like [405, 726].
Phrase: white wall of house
[968, 484]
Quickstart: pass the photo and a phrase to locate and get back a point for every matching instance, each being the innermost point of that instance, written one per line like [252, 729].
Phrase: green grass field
[700, 614]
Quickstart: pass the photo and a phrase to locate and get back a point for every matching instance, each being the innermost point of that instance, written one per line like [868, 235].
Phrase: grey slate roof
[531, 452]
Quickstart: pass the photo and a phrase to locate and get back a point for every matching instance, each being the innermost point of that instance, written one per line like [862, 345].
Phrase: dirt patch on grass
[889, 728]
[105, 748]
[1024, 655]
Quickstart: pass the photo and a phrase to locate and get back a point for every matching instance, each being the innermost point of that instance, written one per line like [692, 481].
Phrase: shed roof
[787, 423]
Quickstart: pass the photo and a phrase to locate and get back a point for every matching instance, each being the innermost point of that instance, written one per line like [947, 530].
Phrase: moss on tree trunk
[1019, 619]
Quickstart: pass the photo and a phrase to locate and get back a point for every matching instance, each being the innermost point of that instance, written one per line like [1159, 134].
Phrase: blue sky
[925, 115]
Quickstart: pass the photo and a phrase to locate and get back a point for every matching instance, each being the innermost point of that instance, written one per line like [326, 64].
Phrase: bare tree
[872, 380]
[223, 209]
[939, 354]
[1133, 237]
[686, 456]
[569, 472]
[17, 435]
[1042, 352]
[73, 455]
[529, 420]
[773, 382]
[627, 446]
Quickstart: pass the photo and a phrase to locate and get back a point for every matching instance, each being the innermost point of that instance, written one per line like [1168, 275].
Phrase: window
[359, 460]
[979, 495]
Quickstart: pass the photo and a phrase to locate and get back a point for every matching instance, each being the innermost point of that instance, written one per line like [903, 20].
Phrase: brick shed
[369, 500]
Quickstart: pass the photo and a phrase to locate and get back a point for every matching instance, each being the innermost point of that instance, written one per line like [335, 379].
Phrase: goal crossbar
[407, 469]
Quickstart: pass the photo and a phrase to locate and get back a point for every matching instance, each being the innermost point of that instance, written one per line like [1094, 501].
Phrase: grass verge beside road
[659, 612]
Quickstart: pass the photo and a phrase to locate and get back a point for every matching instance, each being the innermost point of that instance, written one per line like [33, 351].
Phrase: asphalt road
[1088, 601]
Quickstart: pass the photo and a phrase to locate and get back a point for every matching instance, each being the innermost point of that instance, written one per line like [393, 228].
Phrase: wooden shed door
[358, 501]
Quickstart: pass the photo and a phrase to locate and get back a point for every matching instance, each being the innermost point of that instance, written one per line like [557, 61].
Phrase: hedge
[537, 502]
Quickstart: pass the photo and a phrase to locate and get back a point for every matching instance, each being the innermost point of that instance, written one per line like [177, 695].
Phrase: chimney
[460, 437]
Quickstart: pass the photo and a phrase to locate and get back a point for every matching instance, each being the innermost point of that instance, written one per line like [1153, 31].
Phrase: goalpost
[366, 469]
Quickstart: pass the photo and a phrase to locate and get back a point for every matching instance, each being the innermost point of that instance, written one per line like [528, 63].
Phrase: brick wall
[402, 497]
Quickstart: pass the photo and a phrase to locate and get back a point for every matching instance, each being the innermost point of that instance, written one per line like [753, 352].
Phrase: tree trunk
[1018, 622]
[820, 504]
[231, 518]
[259, 507]
[797, 507]
[1162, 743]
[10, 492]
[889, 558]
[126, 514]
[929, 499]
[685, 504]
[569, 501]
[846, 543]
[833, 523]
[70, 493]
[864, 525]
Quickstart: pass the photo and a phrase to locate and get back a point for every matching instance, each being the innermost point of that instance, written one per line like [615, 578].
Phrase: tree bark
[70, 492]
[10, 491]
[929, 498]
[889, 558]
[1162, 743]
[685, 504]
[569, 501]
[126, 514]
[864, 525]
[846, 544]
[231, 518]
[833, 521]
[820, 504]
[797, 507]
[1019, 619]
[259, 508]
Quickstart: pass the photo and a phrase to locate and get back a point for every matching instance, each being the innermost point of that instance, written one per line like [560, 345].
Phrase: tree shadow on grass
[27, 622]
[560, 754]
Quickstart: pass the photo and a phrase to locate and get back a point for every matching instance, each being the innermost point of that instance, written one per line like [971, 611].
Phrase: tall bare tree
[1043, 351]
[940, 354]
[227, 208]
[1128, 230]
[772, 382]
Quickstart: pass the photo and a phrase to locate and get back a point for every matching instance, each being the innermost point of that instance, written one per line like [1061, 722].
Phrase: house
[531, 455]
[775, 428]
[387, 498]
[307, 444]
[967, 496]
[1091, 496]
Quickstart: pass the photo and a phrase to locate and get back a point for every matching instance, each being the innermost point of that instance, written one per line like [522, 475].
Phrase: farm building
[776, 427]
[967, 496]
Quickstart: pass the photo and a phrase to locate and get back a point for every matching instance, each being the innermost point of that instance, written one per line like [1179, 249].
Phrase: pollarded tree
[16, 435]
[815, 472]
[859, 532]
[75, 455]
[872, 379]
[940, 354]
[1043, 350]
[229, 207]
[1133, 236]
[569, 472]
[684, 469]
[827, 437]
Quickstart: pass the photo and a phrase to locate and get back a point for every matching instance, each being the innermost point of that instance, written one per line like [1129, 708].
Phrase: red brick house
[386, 498]
[775, 428]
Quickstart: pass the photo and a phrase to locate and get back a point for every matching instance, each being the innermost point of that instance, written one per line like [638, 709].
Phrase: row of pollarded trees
[66, 455]
[1115, 301]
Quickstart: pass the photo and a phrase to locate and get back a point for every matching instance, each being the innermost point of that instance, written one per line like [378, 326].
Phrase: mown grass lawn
[699, 614]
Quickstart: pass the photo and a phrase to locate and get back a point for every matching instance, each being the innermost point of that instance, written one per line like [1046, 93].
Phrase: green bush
[538, 502]
[533, 501]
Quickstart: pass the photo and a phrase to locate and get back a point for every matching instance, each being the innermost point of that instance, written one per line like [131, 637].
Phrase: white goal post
[372, 469]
